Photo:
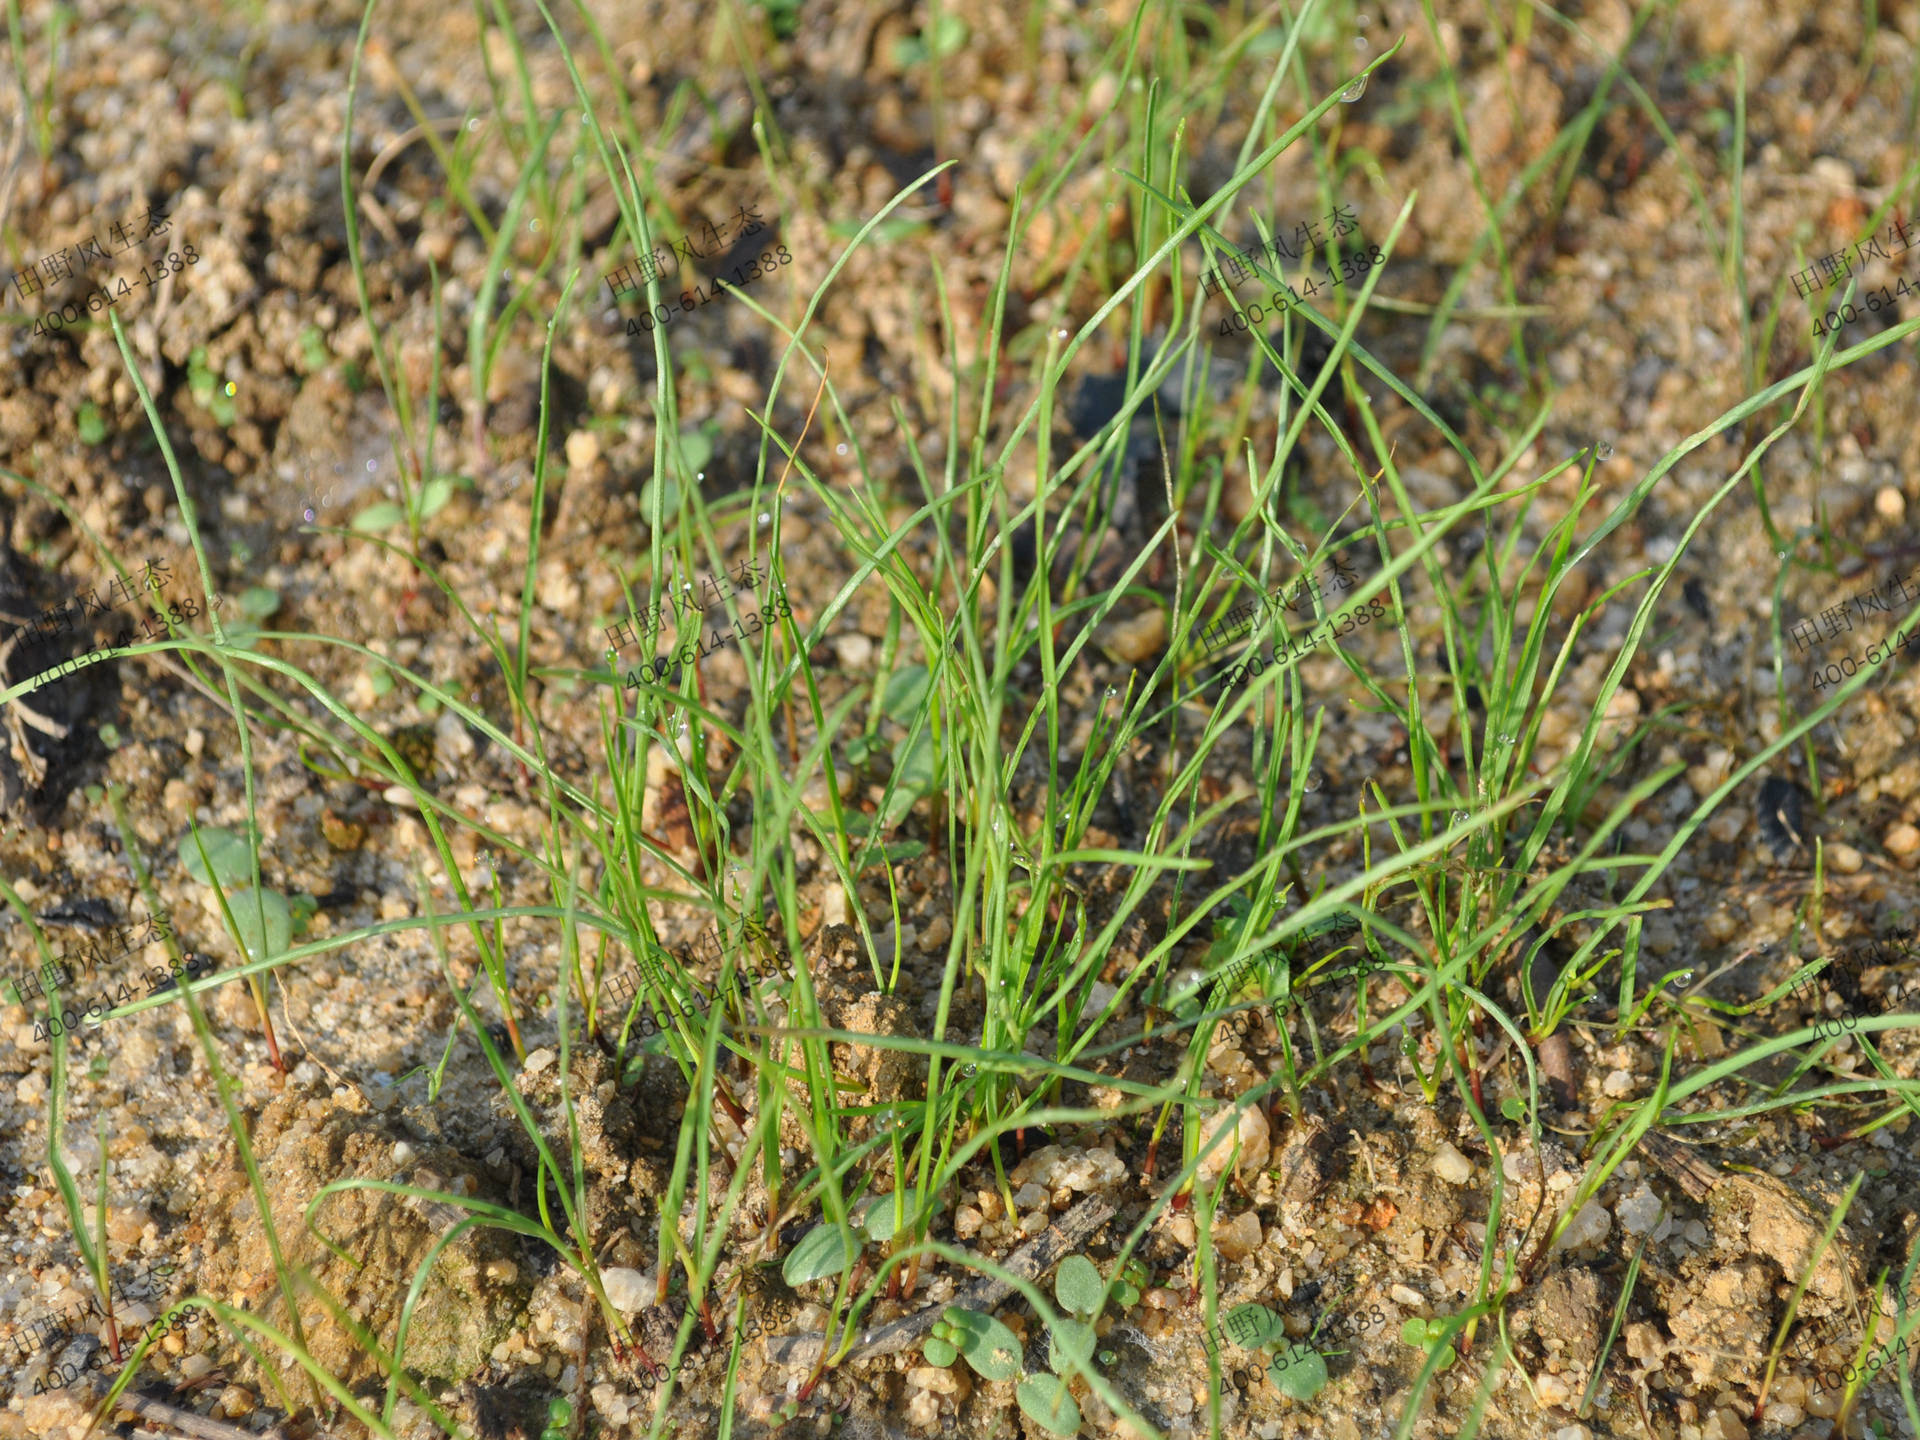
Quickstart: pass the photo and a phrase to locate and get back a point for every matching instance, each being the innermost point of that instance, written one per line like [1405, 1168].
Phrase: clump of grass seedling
[60, 19]
[1020, 927]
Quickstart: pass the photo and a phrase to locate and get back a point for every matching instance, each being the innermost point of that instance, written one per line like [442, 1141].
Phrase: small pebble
[1902, 841]
[1589, 1227]
[1890, 503]
[855, 652]
[1845, 859]
[1239, 1239]
[611, 1403]
[583, 448]
[1451, 1166]
[932, 1377]
[1554, 1391]
[1137, 640]
[628, 1291]
[1727, 825]
[923, 1412]
[1639, 1212]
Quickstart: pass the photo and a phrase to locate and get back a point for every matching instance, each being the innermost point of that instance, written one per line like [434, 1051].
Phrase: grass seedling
[260, 920]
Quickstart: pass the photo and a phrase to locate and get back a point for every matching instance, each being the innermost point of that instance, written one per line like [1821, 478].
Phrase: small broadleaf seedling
[227, 853]
[1080, 1290]
[1425, 1335]
[1078, 1287]
[1048, 1404]
[989, 1347]
[825, 1250]
[822, 1251]
[994, 1351]
[1297, 1369]
[248, 915]
[1071, 1345]
[1299, 1373]
[1255, 1326]
[880, 1219]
